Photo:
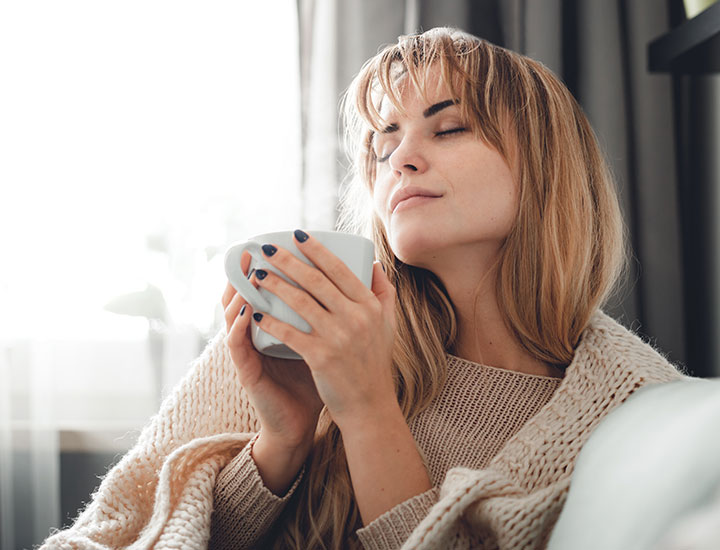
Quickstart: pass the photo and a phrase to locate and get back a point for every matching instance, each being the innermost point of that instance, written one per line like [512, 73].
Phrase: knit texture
[477, 411]
[516, 500]
[160, 495]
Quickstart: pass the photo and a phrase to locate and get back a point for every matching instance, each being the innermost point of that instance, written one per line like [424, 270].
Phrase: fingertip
[237, 332]
[245, 259]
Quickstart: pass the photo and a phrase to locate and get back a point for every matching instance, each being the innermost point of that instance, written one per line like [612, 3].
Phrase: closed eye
[453, 131]
[438, 134]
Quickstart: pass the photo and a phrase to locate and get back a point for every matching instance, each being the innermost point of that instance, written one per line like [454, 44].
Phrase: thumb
[383, 288]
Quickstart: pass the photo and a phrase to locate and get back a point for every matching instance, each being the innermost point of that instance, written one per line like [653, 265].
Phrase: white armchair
[649, 475]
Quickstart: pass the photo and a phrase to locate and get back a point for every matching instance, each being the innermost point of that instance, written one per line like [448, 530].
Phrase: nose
[408, 158]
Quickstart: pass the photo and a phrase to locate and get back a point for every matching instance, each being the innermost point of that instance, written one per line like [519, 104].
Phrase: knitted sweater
[160, 494]
[477, 411]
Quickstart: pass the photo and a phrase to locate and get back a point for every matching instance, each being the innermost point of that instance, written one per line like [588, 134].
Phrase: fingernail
[269, 249]
[258, 316]
[260, 274]
[242, 309]
[251, 272]
[301, 236]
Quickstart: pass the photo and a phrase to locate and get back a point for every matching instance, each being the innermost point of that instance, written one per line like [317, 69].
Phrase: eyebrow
[427, 113]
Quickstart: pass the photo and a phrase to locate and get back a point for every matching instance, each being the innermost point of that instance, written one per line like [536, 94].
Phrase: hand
[282, 391]
[349, 350]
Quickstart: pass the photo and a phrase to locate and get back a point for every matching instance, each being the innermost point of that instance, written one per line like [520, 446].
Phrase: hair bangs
[466, 71]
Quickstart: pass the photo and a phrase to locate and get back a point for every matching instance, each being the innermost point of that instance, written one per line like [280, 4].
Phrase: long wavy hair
[560, 262]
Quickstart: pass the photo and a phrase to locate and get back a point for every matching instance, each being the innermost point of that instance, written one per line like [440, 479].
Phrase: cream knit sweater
[160, 495]
[477, 411]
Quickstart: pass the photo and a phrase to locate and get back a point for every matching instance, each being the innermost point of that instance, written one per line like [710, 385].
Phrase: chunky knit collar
[516, 500]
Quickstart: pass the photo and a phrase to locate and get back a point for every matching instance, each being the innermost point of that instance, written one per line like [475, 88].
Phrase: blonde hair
[560, 262]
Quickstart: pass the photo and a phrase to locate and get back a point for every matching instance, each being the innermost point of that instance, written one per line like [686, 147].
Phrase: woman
[504, 265]
[444, 407]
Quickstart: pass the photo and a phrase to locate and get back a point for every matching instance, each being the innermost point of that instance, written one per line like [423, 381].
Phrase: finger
[241, 350]
[233, 309]
[228, 295]
[333, 268]
[313, 280]
[245, 258]
[297, 340]
[237, 301]
[298, 299]
[237, 331]
[230, 290]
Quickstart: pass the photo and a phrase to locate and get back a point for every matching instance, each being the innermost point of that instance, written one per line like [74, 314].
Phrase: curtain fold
[318, 50]
[7, 525]
[599, 50]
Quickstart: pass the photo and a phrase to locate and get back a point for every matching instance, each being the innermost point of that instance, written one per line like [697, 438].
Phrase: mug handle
[238, 279]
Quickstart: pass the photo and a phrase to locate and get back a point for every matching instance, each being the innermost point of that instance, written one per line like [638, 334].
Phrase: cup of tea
[358, 254]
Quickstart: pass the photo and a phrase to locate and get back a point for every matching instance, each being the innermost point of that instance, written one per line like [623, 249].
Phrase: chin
[415, 245]
[413, 257]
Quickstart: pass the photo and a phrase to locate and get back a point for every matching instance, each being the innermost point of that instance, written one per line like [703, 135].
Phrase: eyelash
[439, 134]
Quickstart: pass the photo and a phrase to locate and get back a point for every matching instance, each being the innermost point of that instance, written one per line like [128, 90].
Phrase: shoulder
[609, 353]
[610, 363]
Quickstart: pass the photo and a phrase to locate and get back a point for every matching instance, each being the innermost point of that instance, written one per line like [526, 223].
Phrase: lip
[403, 193]
[411, 202]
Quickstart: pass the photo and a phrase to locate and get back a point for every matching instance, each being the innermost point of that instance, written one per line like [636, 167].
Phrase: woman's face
[434, 149]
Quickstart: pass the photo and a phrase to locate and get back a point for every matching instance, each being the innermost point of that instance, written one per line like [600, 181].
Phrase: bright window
[137, 140]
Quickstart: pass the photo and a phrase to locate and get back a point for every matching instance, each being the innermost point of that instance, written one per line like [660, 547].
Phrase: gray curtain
[598, 48]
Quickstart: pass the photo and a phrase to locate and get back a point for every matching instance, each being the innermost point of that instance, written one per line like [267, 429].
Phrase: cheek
[508, 202]
[487, 186]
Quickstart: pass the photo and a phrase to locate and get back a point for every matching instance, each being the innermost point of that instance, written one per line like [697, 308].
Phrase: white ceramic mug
[357, 252]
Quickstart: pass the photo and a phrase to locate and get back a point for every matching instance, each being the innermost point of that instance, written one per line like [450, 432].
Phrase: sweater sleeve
[244, 508]
[159, 495]
[391, 529]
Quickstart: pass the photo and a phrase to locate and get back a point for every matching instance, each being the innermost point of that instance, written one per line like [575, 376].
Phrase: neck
[517, 362]
[489, 342]
[482, 335]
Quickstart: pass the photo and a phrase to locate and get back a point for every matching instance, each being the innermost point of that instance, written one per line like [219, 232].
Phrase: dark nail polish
[242, 309]
[260, 274]
[258, 316]
[301, 236]
[269, 249]
[251, 272]
[381, 265]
